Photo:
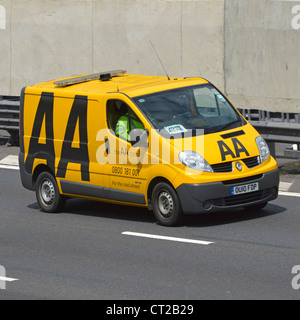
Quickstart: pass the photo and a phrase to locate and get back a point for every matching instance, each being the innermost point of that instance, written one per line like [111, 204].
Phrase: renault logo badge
[239, 166]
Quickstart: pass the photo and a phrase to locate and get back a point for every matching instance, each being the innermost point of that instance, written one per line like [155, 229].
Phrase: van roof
[131, 85]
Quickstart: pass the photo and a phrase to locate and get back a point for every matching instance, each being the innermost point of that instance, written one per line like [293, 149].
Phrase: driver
[127, 122]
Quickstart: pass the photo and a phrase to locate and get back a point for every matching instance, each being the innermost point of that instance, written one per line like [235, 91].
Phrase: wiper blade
[223, 127]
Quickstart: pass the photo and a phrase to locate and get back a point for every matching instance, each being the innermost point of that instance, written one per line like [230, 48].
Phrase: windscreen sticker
[177, 128]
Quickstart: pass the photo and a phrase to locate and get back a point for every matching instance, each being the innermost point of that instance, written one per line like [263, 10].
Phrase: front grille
[222, 167]
[251, 162]
[243, 180]
[228, 166]
[242, 199]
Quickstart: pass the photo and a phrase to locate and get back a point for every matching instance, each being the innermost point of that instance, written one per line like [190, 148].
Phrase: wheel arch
[152, 185]
[38, 170]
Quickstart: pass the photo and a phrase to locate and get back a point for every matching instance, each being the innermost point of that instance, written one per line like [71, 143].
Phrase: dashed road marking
[158, 237]
[8, 279]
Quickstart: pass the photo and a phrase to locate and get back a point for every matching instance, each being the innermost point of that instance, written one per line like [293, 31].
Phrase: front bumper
[208, 197]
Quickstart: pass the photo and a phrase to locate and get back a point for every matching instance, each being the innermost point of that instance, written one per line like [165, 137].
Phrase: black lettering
[70, 154]
[42, 150]
[225, 150]
[239, 148]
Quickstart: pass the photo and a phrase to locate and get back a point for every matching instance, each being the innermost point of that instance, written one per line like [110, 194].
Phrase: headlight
[193, 160]
[263, 148]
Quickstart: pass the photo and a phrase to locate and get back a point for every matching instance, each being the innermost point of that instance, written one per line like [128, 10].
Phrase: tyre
[256, 207]
[166, 205]
[47, 193]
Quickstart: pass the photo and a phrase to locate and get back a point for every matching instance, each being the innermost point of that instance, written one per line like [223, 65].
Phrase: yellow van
[174, 145]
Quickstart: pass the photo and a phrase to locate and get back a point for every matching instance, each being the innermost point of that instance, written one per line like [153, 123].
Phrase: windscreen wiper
[227, 125]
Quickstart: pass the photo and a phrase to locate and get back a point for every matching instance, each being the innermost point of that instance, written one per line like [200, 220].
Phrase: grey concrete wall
[262, 55]
[246, 47]
[46, 40]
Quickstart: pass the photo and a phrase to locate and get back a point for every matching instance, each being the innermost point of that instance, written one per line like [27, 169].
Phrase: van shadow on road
[231, 216]
[129, 213]
[92, 208]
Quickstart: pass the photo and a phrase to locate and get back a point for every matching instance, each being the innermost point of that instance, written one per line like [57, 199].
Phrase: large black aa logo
[39, 150]
[236, 153]
[69, 154]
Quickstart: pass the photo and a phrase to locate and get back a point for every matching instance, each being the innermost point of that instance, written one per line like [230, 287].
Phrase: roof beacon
[90, 77]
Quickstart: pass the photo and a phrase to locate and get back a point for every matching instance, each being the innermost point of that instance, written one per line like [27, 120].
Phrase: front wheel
[47, 193]
[166, 205]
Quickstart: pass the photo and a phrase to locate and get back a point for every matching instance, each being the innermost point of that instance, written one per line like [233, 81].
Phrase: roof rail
[89, 77]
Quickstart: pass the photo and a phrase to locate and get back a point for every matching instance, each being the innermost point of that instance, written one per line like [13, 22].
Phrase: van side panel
[61, 134]
[38, 135]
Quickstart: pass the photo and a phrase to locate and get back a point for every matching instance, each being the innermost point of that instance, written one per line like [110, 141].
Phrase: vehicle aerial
[175, 145]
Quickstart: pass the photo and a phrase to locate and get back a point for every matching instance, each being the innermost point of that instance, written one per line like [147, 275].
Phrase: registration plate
[247, 188]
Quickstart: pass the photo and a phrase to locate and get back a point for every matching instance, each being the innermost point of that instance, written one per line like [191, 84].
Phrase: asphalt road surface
[107, 252]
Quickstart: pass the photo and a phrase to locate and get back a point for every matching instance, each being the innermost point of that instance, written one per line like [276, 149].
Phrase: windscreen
[191, 109]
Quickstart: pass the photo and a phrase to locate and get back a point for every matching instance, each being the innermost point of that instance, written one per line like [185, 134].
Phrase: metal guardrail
[275, 127]
[270, 116]
[280, 127]
[9, 117]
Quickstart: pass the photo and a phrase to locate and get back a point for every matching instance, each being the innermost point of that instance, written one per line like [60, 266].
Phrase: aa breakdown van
[174, 145]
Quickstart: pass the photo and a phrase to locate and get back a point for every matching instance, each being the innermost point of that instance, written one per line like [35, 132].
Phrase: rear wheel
[166, 205]
[47, 193]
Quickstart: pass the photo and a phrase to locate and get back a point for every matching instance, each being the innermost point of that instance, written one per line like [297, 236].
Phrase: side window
[121, 119]
[115, 110]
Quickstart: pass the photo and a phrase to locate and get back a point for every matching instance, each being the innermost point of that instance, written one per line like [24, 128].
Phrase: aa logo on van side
[133, 153]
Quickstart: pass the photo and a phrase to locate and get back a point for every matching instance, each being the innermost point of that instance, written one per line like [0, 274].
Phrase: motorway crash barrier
[9, 118]
[275, 127]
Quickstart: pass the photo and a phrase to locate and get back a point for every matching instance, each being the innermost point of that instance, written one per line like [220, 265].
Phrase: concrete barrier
[247, 48]
[46, 40]
[262, 69]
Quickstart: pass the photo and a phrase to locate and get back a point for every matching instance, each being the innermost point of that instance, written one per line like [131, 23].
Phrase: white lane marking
[3, 166]
[289, 194]
[152, 236]
[285, 186]
[10, 162]
[8, 279]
